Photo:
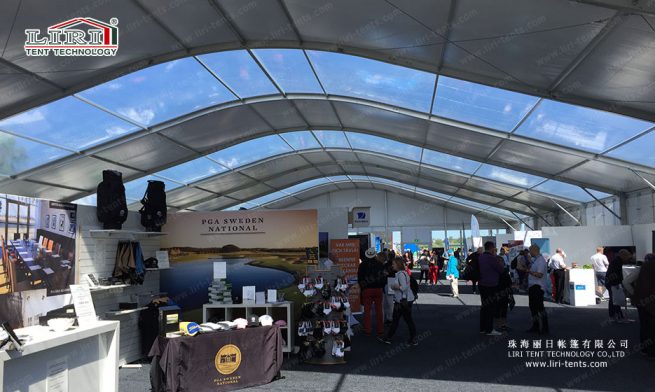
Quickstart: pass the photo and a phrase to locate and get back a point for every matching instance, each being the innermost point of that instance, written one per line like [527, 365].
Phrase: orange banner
[345, 254]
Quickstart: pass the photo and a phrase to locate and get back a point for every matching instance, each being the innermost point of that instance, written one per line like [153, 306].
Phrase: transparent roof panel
[245, 205]
[338, 178]
[161, 92]
[68, 122]
[508, 176]
[637, 151]
[306, 185]
[451, 162]
[303, 140]
[192, 171]
[354, 76]
[568, 191]
[482, 105]
[91, 200]
[366, 142]
[18, 154]
[290, 70]
[335, 139]
[268, 198]
[579, 127]
[135, 189]
[251, 151]
[240, 72]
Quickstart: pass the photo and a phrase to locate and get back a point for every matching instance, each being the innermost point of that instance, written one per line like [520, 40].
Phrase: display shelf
[103, 288]
[123, 312]
[124, 234]
[278, 310]
[157, 269]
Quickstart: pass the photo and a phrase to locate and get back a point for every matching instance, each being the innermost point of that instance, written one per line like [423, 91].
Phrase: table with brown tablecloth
[217, 361]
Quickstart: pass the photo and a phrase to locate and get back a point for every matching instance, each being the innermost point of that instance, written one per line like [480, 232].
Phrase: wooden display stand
[277, 310]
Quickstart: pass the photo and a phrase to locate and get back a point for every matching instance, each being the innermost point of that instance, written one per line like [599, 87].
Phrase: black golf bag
[111, 203]
[153, 212]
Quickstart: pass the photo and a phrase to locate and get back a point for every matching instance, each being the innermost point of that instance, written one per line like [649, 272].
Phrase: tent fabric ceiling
[543, 47]
[217, 122]
[270, 174]
[321, 186]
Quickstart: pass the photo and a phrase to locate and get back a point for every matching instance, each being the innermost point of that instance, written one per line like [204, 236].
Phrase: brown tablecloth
[217, 361]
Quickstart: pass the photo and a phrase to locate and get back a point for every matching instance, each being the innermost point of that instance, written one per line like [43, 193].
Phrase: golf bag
[111, 203]
[153, 212]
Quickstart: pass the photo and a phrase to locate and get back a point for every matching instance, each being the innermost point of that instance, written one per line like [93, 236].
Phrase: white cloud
[115, 86]
[231, 163]
[171, 65]
[572, 136]
[507, 108]
[30, 117]
[116, 131]
[142, 116]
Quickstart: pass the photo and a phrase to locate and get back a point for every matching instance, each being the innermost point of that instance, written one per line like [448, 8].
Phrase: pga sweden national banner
[266, 249]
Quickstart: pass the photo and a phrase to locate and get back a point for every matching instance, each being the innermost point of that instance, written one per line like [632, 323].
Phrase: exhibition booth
[231, 291]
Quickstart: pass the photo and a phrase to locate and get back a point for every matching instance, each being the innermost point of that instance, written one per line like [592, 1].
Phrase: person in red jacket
[433, 270]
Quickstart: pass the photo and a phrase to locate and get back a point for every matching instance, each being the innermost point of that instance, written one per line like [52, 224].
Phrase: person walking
[490, 270]
[473, 268]
[452, 273]
[388, 292]
[558, 266]
[434, 273]
[613, 282]
[600, 263]
[372, 278]
[424, 264]
[644, 300]
[402, 304]
[536, 275]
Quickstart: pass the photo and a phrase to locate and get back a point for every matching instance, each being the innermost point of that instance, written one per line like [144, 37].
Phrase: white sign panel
[220, 270]
[361, 216]
[83, 303]
[162, 259]
[57, 375]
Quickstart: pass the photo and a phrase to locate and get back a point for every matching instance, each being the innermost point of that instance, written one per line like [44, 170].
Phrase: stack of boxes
[220, 292]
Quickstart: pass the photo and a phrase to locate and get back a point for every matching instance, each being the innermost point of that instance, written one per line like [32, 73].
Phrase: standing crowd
[387, 285]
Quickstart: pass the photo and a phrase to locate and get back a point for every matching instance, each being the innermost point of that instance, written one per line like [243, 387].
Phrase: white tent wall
[640, 207]
[580, 242]
[97, 256]
[391, 211]
[642, 236]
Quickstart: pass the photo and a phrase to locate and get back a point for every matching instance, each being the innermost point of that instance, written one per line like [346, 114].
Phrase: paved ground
[452, 356]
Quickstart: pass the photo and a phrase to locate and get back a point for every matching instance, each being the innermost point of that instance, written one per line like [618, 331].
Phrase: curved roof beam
[383, 182]
[398, 189]
[205, 184]
[379, 111]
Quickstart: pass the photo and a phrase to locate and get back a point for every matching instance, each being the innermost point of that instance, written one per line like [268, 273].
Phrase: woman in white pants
[452, 273]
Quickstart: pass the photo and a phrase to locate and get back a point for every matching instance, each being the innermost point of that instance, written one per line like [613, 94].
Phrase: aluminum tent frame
[543, 47]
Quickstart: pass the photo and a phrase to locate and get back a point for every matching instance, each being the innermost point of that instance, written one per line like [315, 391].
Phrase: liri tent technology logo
[74, 37]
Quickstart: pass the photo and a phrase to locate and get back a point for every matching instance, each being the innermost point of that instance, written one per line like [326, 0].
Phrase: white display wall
[580, 242]
[391, 211]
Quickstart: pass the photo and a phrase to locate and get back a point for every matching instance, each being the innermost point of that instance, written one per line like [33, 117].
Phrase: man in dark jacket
[371, 277]
[614, 277]
[490, 270]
